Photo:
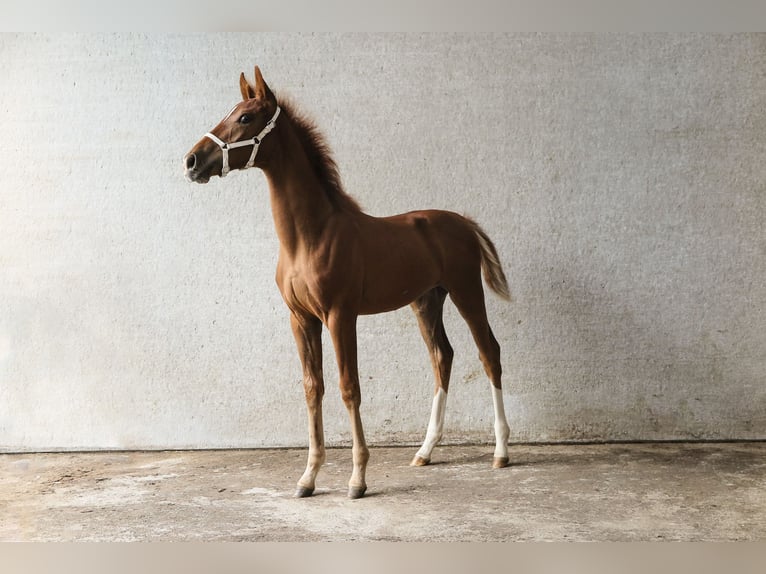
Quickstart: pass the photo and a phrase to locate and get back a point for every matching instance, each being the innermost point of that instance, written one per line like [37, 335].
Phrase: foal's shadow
[416, 484]
[468, 459]
[461, 461]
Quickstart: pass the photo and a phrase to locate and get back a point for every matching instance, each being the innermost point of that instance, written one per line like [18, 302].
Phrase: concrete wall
[622, 178]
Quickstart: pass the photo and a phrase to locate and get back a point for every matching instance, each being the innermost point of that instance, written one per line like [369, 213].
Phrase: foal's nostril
[191, 161]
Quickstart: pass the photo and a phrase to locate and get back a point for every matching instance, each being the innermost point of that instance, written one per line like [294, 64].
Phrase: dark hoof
[355, 492]
[303, 492]
[500, 462]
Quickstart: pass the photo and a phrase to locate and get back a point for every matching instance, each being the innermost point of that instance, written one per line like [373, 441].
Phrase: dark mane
[320, 156]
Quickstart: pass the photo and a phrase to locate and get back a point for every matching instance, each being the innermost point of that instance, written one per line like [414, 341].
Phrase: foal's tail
[490, 264]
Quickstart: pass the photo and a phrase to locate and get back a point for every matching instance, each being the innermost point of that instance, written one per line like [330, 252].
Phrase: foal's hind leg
[469, 299]
[428, 309]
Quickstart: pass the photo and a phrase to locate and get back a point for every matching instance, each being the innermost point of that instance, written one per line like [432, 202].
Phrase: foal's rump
[466, 248]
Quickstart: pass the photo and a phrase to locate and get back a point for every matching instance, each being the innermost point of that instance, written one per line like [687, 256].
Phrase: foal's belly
[395, 288]
[393, 301]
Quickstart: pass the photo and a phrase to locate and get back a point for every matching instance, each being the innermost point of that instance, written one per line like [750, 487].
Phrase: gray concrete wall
[622, 178]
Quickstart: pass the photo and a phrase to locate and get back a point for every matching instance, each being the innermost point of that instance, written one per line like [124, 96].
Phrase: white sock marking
[502, 430]
[435, 425]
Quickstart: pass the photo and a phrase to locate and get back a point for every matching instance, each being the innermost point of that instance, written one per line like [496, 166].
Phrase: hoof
[303, 492]
[500, 462]
[419, 461]
[355, 492]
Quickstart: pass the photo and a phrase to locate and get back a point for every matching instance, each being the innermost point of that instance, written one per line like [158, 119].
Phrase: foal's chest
[304, 290]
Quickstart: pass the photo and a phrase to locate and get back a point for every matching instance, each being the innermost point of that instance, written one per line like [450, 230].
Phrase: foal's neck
[299, 204]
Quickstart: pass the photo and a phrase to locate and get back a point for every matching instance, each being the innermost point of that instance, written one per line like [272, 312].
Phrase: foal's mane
[320, 156]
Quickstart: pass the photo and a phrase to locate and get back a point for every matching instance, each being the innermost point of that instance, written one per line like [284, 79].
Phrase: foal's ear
[262, 91]
[245, 88]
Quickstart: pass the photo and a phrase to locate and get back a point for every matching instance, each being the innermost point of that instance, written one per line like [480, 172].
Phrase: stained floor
[613, 492]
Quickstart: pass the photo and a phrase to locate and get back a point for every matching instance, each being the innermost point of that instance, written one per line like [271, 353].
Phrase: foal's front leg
[308, 336]
[343, 332]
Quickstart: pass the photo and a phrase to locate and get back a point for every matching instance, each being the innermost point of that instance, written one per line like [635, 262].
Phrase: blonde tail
[490, 264]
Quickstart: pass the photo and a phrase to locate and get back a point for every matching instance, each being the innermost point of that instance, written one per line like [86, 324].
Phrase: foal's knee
[350, 394]
[313, 390]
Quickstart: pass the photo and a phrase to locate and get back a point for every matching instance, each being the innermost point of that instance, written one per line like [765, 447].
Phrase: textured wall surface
[621, 177]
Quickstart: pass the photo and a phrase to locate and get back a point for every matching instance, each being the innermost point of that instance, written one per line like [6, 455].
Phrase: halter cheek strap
[255, 142]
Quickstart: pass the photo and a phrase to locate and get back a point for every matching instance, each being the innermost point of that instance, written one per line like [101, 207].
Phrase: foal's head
[234, 143]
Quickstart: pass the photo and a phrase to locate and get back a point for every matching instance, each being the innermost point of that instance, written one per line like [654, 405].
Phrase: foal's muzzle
[193, 169]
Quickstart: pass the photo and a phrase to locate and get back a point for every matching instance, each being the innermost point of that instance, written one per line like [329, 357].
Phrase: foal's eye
[244, 119]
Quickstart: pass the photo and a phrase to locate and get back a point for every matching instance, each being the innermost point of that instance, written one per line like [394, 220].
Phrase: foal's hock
[336, 263]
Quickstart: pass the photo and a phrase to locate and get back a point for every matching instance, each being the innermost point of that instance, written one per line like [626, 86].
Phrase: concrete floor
[625, 492]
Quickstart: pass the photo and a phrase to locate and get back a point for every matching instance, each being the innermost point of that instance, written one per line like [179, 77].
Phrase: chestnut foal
[336, 263]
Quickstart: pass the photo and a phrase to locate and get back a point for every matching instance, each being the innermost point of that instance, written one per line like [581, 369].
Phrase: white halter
[255, 142]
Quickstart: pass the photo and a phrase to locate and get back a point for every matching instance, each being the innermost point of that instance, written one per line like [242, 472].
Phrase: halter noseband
[255, 142]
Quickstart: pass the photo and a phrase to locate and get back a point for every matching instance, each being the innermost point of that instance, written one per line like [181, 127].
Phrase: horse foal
[337, 262]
